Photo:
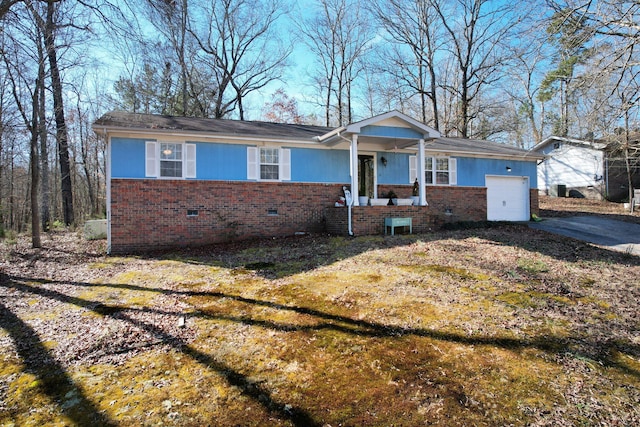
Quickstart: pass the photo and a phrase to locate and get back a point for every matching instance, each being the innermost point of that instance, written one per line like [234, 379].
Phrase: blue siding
[472, 171]
[397, 170]
[390, 131]
[226, 162]
[312, 165]
[127, 157]
[216, 161]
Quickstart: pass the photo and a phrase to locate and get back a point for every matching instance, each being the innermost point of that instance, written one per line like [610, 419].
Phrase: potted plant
[392, 196]
[415, 196]
[383, 200]
[395, 200]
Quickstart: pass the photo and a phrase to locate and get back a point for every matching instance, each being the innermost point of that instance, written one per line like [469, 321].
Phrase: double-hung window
[268, 164]
[170, 160]
[437, 170]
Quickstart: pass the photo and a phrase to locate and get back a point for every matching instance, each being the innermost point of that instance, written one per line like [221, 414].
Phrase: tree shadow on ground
[358, 327]
[42, 365]
[520, 236]
[282, 257]
[53, 378]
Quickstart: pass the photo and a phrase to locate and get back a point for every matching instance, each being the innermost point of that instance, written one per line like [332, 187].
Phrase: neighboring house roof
[573, 141]
[434, 142]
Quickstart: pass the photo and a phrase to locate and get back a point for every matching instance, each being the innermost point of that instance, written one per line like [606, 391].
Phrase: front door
[366, 171]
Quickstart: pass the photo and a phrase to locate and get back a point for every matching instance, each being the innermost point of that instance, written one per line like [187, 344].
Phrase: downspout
[349, 201]
[108, 185]
[420, 172]
[348, 195]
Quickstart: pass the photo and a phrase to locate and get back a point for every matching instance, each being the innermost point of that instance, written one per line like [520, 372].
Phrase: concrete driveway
[612, 234]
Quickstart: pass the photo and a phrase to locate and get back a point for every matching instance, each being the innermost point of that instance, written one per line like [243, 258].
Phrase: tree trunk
[61, 127]
[45, 215]
[84, 153]
[2, 228]
[35, 172]
[464, 105]
[434, 99]
[181, 55]
[627, 160]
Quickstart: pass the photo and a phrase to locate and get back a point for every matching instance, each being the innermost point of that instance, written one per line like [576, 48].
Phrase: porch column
[354, 169]
[420, 173]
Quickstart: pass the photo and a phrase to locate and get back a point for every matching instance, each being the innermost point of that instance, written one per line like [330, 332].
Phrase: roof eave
[105, 129]
[525, 156]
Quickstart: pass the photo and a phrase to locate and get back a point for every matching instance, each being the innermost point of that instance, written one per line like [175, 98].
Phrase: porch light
[383, 160]
[508, 168]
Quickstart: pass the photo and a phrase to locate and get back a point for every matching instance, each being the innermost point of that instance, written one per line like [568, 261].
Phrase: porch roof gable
[392, 124]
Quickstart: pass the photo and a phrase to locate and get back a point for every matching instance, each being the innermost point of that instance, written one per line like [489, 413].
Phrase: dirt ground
[494, 326]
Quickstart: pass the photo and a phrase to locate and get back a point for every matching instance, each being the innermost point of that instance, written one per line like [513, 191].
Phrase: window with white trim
[268, 163]
[170, 160]
[437, 170]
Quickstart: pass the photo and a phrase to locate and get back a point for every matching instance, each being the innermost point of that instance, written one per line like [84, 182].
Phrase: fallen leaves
[487, 326]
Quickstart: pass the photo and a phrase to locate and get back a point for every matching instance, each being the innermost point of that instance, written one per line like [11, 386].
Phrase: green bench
[397, 222]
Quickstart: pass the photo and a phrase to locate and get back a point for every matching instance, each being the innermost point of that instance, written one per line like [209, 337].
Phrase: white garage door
[507, 198]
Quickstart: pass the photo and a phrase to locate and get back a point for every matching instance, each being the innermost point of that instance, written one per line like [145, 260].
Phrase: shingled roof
[477, 146]
[117, 120]
[123, 120]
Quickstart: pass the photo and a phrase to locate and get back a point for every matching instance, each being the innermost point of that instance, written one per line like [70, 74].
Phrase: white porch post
[420, 173]
[354, 169]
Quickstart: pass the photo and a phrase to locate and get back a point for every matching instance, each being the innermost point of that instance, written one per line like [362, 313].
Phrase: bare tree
[478, 31]
[523, 88]
[171, 19]
[19, 85]
[239, 38]
[5, 5]
[49, 26]
[338, 36]
[414, 27]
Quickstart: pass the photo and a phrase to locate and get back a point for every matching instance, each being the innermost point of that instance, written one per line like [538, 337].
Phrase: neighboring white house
[571, 164]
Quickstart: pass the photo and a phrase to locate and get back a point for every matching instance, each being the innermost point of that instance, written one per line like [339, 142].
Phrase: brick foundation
[152, 214]
[534, 201]
[161, 214]
[446, 204]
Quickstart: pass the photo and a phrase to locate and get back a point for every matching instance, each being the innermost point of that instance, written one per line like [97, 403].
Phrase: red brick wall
[534, 201]
[152, 214]
[446, 204]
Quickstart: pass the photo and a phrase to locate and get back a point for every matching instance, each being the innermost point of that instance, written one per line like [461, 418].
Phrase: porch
[446, 205]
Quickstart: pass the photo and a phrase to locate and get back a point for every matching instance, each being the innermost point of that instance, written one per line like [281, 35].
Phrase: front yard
[498, 326]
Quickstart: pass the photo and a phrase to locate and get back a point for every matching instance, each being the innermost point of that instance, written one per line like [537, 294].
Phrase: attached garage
[507, 198]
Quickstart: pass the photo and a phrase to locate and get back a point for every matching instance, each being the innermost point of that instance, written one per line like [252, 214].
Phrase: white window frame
[451, 164]
[153, 159]
[254, 164]
[263, 154]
